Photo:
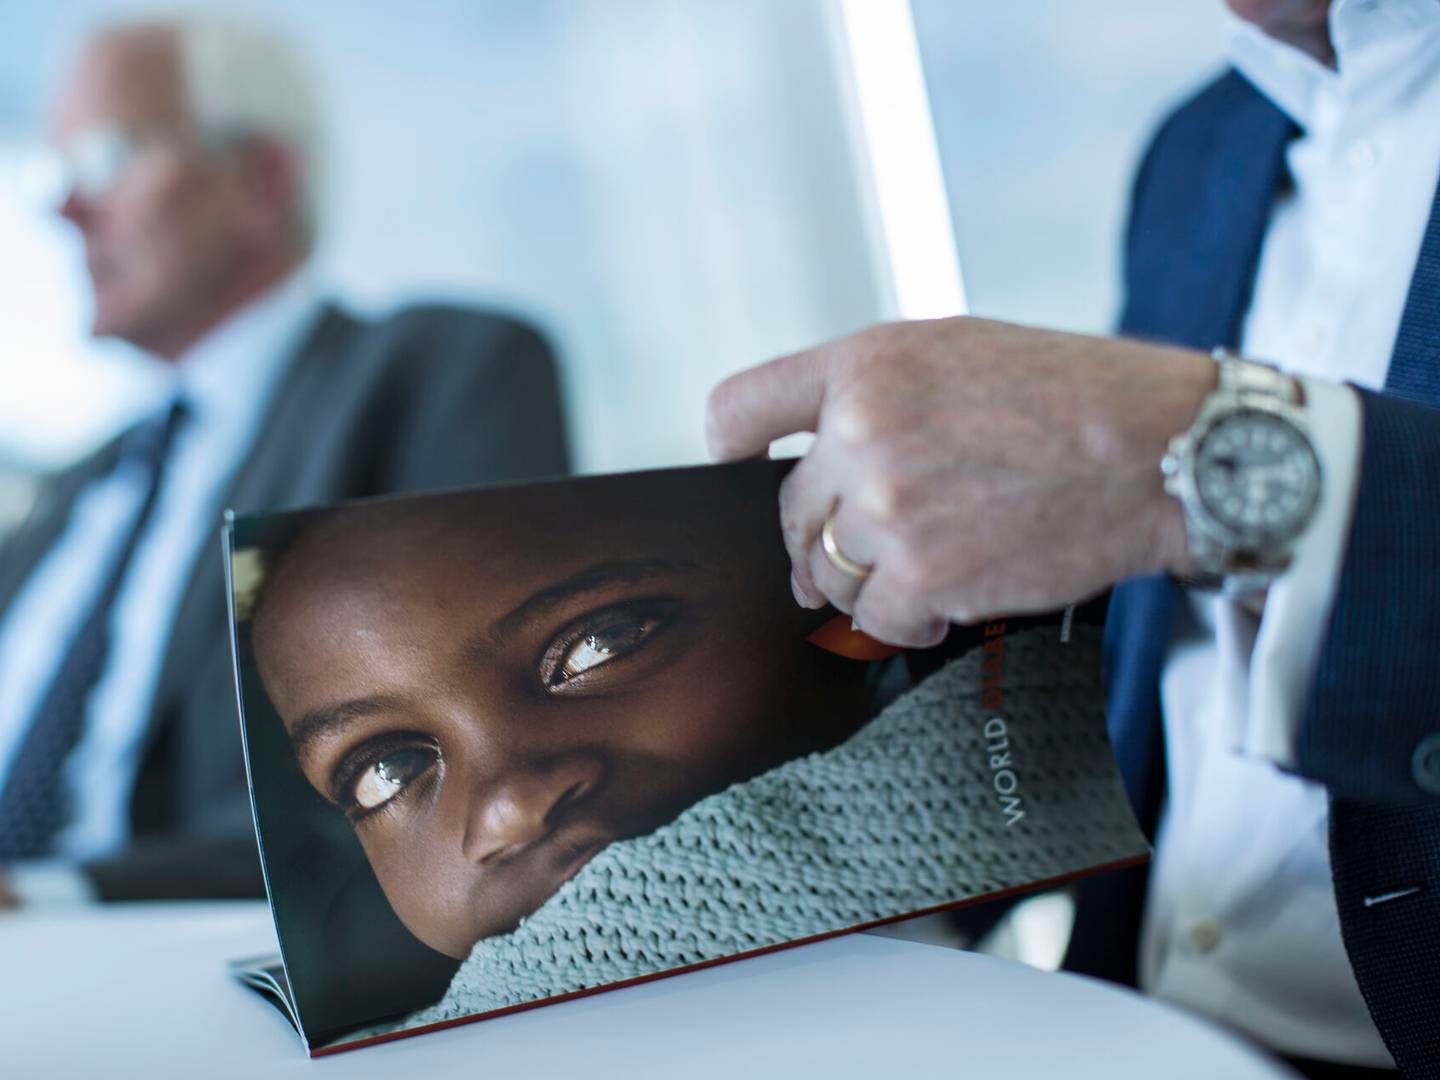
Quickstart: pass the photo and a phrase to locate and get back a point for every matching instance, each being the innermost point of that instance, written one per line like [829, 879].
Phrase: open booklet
[519, 743]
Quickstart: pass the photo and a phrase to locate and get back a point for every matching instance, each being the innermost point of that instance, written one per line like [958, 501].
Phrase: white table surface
[141, 991]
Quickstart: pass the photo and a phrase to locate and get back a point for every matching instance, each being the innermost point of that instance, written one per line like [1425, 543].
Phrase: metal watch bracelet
[1220, 559]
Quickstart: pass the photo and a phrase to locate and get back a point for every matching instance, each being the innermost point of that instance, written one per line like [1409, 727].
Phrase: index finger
[751, 409]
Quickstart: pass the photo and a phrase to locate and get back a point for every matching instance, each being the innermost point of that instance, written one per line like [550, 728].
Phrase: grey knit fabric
[903, 816]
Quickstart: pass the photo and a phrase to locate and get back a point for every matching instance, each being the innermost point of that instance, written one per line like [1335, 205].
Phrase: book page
[515, 744]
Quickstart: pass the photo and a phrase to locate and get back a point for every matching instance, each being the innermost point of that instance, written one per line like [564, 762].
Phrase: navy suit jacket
[1371, 726]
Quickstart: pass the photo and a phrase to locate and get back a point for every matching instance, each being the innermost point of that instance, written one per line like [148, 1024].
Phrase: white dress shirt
[226, 381]
[1241, 922]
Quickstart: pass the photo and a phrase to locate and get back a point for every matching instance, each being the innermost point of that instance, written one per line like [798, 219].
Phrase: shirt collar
[226, 376]
[1382, 48]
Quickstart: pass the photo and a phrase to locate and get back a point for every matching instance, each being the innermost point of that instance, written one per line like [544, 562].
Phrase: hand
[979, 468]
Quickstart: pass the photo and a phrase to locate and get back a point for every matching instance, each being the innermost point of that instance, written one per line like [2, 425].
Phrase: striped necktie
[33, 802]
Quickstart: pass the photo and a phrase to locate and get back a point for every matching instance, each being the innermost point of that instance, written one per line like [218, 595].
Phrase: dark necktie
[33, 803]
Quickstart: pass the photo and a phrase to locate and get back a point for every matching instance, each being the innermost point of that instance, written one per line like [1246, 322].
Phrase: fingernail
[800, 597]
[804, 598]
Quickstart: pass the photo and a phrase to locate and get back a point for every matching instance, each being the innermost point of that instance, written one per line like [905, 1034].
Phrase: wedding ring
[838, 559]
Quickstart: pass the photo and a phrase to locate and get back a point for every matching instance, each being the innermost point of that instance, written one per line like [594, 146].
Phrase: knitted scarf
[908, 814]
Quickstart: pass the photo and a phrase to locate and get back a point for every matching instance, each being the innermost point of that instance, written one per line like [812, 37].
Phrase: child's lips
[556, 856]
[574, 857]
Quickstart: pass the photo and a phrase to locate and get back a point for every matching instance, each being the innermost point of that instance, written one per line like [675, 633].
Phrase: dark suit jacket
[1371, 728]
[432, 397]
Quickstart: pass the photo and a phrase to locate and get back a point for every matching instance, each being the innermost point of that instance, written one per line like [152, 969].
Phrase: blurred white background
[666, 186]
[670, 187]
[1042, 108]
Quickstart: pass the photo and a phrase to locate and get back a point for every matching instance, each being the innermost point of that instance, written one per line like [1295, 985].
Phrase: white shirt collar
[1382, 48]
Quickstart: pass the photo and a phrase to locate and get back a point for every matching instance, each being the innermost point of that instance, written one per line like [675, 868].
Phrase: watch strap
[1244, 378]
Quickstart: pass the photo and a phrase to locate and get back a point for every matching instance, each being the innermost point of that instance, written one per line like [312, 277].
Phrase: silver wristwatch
[1247, 476]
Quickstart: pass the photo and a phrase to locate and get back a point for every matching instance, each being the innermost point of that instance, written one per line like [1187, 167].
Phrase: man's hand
[980, 468]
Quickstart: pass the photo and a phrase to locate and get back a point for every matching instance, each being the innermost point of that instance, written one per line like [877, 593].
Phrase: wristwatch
[1247, 476]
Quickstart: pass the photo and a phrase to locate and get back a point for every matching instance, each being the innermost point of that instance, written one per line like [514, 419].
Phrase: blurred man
[192, 153]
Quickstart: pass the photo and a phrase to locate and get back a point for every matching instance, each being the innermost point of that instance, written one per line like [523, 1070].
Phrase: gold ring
[838, 558]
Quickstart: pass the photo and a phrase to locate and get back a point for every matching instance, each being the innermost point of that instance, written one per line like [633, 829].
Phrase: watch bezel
[1264, 534]
[1262, 549]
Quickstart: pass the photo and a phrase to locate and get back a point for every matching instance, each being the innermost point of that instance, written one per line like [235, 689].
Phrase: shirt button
[1363, 155]
[1425, 765]
[1205, 936]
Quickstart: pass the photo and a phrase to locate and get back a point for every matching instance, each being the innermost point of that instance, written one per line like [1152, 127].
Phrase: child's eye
[601, 646]
[596, 641]
[387, 776]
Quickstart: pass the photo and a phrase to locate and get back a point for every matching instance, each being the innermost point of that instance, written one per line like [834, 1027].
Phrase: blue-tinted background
[669, 186]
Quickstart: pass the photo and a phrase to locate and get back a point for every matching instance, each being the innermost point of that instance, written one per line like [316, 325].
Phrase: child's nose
[524, 807]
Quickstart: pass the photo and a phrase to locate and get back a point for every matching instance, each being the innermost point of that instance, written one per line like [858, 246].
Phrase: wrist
[1193, 378]
[1171, 541]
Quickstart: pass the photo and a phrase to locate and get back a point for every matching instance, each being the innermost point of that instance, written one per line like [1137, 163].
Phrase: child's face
[491, 715]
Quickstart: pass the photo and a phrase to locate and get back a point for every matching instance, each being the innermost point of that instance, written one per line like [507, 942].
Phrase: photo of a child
[585, 721]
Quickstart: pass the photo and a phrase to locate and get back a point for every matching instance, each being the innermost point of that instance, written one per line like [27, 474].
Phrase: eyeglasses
[93, 162]
[90, 164]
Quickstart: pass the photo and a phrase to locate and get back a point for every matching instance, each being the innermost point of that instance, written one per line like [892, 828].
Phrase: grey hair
[246, 79]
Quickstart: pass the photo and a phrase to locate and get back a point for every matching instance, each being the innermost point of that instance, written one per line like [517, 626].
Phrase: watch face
[1258, 476]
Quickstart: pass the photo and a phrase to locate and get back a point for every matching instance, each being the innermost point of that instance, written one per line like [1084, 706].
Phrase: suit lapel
[259, 482]
[1415, 364]
[22, 551]
[1246, 174]
[292, 420]
[1199, 217]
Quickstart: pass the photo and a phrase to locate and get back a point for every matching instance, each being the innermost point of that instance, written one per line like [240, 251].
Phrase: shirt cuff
[1297, 608]
[49, 883]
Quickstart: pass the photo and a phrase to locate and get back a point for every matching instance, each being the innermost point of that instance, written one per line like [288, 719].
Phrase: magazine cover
[514, 744]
